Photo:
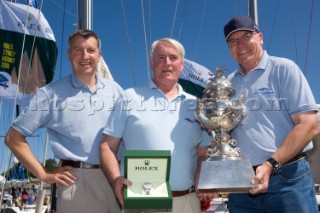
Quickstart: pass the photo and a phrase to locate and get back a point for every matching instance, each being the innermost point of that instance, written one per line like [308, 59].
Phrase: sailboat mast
[84, 14]
[85, 22]
[253, 10]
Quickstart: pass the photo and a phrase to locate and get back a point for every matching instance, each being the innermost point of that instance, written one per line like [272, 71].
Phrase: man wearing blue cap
[280, 124]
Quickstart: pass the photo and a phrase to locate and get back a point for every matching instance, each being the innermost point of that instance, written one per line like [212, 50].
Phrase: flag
[20, 171]
[17, 172]
[17, 33]
[194, 78]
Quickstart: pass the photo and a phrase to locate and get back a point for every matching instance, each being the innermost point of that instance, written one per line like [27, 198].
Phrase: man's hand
[262, 177]
[118, 184]
[62, 175]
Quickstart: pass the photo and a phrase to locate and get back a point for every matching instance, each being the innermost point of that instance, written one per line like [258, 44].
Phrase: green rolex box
[148, 170]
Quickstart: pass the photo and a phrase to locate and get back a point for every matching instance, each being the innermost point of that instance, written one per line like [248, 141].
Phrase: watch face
[147, 188]
[276, 168]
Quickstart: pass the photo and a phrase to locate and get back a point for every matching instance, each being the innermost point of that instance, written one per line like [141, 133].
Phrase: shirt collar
[76, 83]
[181, 93]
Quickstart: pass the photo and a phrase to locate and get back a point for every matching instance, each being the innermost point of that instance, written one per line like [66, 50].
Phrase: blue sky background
[291, 29]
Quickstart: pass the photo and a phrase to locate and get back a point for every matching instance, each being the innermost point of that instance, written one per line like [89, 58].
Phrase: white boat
[24, 209]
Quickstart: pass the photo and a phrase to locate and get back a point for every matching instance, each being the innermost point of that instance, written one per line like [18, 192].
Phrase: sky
[291, 29]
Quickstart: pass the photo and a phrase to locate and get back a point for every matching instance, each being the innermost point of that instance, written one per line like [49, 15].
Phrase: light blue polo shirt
[275, 90]
[74, 116]
[146, 120]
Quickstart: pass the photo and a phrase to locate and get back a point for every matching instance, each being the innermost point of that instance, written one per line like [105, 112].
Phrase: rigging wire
[236, 8]
[7, 159]
[61, 46]
[32, 52]
[184, 15]
[273, 25]
[63, 8]
[20, 64]
[174, 18]
[5, 175]
[149, 18]
[294, 32]
[308, 44]
[91, 16]
[41, 194]
[200, 29]
[145, 40]
[128, 41]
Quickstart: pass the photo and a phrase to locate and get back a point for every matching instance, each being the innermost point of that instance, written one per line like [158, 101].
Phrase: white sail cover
[194, 77]
[24, 27]
[14, 15]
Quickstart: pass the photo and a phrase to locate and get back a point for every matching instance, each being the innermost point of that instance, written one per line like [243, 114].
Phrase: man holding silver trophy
[279, 126]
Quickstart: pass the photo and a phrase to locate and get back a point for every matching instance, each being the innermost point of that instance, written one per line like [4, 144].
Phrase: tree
[50, 164]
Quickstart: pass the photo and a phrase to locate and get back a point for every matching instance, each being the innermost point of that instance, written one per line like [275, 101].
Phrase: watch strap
[275, 165]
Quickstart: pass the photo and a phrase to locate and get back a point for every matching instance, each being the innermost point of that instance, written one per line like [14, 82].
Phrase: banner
[20, 29]
[194, 78]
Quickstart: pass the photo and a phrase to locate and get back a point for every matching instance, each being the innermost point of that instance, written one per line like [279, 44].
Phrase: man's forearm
[109, 163]
[18, 145]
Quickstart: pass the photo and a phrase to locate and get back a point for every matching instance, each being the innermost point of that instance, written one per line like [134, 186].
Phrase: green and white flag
[20, 28]
[194, 78]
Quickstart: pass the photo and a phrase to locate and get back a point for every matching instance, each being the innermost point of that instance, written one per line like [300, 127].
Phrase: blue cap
[240, 23]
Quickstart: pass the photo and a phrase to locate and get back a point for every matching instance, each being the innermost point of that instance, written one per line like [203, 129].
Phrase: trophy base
[225, 174]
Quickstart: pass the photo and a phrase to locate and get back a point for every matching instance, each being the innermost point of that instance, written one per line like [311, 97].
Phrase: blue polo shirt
[73, 115]
[146, 120]
[275, 90]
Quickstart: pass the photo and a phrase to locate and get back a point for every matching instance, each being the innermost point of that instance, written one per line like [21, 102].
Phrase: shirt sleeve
[35, 116]
[116, 122]
[295, 90]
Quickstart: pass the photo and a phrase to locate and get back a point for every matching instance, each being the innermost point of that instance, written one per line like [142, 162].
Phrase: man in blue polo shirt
[280, 124]
[159, 116]
[74, 111]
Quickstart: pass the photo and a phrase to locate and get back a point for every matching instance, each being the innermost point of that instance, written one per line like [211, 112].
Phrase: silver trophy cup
[225, 169]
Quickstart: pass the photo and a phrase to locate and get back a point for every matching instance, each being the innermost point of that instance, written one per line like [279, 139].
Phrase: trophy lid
[219, 82]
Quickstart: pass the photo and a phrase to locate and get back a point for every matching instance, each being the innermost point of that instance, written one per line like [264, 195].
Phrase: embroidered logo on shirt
[265, 90]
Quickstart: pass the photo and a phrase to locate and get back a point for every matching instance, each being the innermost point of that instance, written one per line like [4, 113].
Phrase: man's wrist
[115, 181]
[276, 166]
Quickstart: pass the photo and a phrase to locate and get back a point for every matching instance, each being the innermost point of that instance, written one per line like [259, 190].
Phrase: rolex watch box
[149, 171]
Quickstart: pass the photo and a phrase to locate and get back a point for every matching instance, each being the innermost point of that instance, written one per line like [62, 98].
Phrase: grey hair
[174, 42]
